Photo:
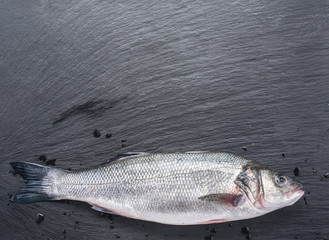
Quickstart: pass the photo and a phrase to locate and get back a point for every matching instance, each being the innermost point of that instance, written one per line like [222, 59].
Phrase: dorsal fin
[122, 156]
[196, 152]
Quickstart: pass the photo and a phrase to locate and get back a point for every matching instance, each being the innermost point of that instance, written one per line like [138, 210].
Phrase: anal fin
[101, 209]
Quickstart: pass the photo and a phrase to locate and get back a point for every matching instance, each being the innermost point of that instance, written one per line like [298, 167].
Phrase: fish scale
[147, 183]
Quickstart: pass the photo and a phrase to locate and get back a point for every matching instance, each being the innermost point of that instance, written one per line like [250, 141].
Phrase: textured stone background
[164, 76]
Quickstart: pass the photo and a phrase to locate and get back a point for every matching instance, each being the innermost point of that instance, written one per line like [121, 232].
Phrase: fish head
[279, 190]
[266, 189]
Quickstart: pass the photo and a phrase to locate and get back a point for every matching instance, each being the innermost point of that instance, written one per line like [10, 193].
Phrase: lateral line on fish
[142, 179]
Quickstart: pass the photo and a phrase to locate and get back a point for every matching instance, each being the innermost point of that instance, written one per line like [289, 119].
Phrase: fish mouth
[298, 186]
[295, 194]
[299, 192]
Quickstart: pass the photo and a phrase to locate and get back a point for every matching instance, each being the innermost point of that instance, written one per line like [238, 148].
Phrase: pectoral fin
[223, 198]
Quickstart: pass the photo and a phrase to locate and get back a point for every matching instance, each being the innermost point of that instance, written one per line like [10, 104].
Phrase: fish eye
[280, 180]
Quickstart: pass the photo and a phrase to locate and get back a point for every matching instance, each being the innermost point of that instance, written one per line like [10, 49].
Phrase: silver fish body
[178, 188]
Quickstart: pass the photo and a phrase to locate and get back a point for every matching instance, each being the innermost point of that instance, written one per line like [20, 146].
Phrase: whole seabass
[175, 188]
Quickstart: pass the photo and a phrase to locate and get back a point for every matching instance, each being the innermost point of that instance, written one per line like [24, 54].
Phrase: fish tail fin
[38, 186]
